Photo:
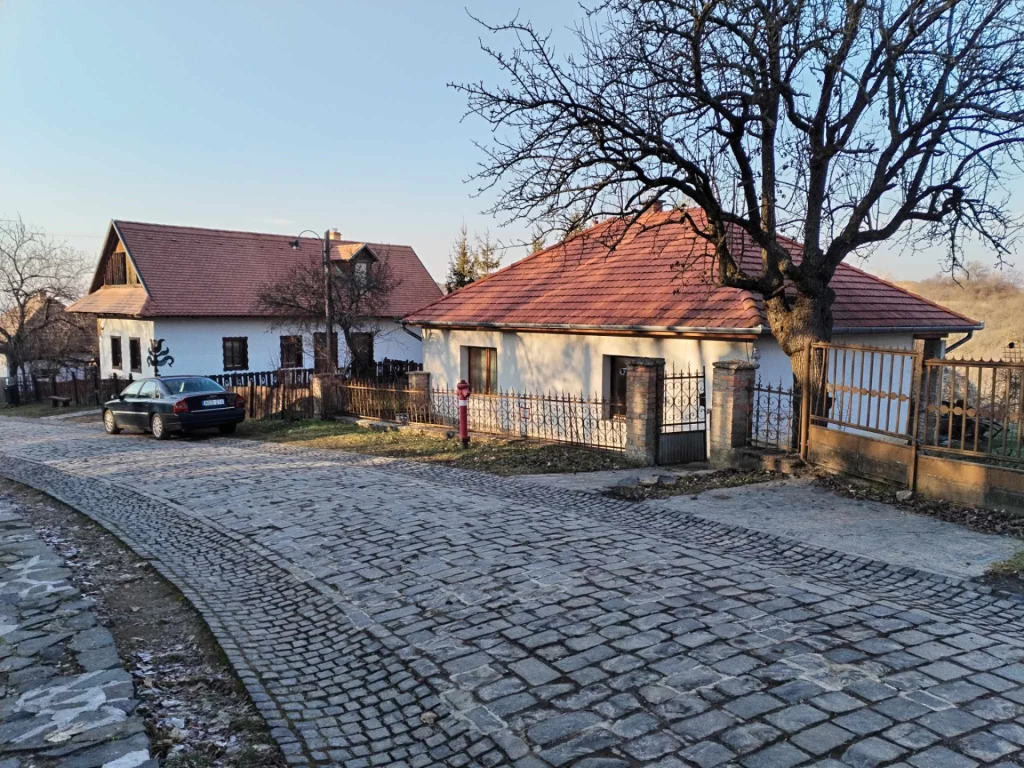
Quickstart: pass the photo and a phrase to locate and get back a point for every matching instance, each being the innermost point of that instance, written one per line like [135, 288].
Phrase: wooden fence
[279, 400]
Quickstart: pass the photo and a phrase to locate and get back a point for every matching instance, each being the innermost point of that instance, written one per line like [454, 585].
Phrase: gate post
[317, 384]
[419, 396]
[732, 399]
[930, 349]
[643, 377]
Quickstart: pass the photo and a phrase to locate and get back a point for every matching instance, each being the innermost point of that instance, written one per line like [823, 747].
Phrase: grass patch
[692, 484]
[499, 456]
[1012, 567]
[37, 410]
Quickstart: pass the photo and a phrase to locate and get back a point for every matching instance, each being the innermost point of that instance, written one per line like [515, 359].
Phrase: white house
[198, 290]
[562, 319]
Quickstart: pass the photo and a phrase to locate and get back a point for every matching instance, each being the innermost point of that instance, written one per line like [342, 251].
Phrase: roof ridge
[247, 232]
[901, 289]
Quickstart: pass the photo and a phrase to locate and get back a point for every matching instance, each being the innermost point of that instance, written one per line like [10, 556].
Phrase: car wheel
[227, 429]
[110, 424]
[158, 428]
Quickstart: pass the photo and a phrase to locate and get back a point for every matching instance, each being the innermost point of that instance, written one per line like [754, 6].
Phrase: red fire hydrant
[464, 393]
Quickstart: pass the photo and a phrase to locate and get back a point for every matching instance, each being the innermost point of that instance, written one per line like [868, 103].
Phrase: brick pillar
[732, 399]
[419, 396]
[642, 399]
[930, 349]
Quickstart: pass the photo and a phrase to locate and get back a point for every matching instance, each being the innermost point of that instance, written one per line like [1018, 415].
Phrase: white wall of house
[196, 344]
[556, 362]
[125, 328]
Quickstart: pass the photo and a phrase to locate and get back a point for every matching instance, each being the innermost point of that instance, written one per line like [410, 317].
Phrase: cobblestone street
[65, 701]
[390, 613]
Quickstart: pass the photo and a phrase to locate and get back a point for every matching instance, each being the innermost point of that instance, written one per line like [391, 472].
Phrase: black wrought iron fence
[771, 422]
[555, 417]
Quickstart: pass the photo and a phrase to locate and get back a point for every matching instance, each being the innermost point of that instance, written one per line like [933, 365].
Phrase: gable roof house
[564, 318]
[54, 342]
[198, 290]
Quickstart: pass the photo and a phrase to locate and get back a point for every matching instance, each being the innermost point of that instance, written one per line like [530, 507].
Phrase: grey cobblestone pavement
[392, 613]
[65, 700]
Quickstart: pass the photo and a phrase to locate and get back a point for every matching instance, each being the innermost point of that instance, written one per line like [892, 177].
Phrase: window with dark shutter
[135, 355]
[291, 351]
[320, 359]
[236, 353]
[362, 355]
[483, 370]
[115, 352]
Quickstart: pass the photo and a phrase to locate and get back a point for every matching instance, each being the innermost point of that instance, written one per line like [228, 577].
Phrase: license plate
[208, 403]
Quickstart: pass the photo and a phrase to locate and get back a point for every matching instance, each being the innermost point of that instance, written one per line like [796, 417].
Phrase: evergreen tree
[460, 263]
[486, 258]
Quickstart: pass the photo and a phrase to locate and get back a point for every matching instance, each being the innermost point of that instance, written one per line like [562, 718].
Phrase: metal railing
[555, 417]
[863, 389]
[972, 408]
[771, 424]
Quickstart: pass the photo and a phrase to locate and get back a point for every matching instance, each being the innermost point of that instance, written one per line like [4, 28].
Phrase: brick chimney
[334, 234]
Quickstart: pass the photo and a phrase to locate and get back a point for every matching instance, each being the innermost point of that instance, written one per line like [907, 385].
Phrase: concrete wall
[942, 478]
[196, 344]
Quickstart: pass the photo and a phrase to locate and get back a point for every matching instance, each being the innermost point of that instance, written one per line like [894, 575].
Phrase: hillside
[996, 298]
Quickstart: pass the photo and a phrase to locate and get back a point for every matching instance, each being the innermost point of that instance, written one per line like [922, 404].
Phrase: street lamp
[325, 253]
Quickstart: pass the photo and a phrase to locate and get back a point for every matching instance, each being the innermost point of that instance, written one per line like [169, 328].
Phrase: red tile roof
[190, 271]
[659, 278]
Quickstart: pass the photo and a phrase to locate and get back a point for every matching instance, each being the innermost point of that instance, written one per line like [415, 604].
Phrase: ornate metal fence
[682, 430]
[560, 418]
[771, 418]
[863, 389]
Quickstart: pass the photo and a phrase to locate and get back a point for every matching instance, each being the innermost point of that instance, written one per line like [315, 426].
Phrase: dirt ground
[197, 713]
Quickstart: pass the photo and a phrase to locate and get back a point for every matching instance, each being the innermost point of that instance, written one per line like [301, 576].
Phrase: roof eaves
[911, 328]
[755, 329]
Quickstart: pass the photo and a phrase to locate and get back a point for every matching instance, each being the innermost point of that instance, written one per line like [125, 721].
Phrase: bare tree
[361, 292]
[841, 125]
[38, 275]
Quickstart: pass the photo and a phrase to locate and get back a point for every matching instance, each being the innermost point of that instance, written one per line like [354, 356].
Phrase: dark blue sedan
[174, 404]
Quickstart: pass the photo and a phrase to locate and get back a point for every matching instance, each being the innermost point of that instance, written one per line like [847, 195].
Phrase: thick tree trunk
[797, 322]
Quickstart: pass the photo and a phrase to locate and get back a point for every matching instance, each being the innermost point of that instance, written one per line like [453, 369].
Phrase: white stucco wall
[196, 344]
[574, 363]
[126, 329]
[577, 363]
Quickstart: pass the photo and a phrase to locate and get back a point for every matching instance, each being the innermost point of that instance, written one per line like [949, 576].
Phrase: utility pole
[331, 346]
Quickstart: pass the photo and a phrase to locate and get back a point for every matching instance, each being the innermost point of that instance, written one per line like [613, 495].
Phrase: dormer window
[119, 270]
[362, 272]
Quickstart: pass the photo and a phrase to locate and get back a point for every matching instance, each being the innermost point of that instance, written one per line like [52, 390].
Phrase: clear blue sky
[264, 116]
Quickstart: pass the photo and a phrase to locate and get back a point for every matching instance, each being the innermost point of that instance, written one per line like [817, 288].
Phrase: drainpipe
[411, 333]
[964, 340]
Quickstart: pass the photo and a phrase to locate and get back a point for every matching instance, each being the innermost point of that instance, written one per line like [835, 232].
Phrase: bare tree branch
[835, 124]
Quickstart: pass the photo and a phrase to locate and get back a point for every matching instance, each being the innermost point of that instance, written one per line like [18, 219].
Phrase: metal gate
[683, 418]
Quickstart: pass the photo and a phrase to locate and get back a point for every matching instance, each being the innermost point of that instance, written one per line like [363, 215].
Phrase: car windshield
[188, 386]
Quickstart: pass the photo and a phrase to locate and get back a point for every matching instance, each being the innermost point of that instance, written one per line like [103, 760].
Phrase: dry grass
[38, 410]
[995, 298]
[496, 455]
[1012, 567]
